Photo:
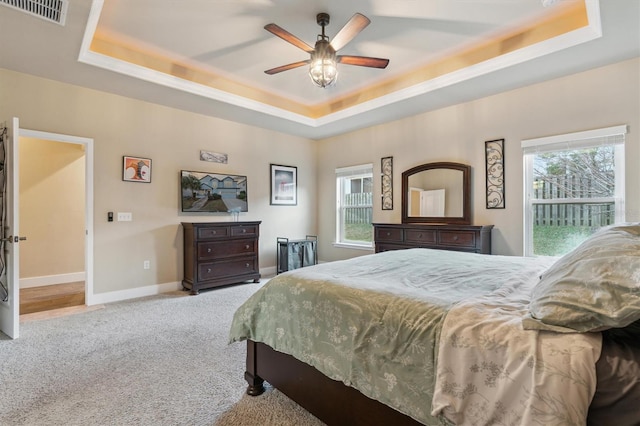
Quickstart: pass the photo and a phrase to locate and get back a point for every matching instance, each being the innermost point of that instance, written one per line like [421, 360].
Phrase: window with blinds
[574, 185]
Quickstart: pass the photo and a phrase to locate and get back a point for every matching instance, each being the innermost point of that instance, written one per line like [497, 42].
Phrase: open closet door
[9, 252]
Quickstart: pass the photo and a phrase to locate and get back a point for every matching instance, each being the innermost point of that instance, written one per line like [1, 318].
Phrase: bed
[434, 337]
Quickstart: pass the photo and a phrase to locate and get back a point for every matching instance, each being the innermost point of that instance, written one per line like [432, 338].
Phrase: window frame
[351, 172]
[579, 140]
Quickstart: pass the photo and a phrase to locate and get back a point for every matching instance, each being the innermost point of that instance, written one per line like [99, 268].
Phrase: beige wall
[598, 98]
[173, 140]
[52, 207]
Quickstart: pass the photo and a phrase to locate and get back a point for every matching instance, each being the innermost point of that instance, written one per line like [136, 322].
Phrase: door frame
[88, 242]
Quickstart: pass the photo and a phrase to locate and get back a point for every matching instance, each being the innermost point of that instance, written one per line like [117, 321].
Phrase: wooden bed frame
[331, 401]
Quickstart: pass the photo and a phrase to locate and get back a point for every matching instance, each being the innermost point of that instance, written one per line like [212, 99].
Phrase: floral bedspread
[491, 371]
[375, 323]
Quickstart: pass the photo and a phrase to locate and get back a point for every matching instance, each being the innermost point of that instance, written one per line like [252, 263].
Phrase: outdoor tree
[585, 173]
[192, 183]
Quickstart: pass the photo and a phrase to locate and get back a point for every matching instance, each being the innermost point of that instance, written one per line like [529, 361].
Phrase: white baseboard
[52, 279]
[268, 272]
[118, 296]
[150, 290]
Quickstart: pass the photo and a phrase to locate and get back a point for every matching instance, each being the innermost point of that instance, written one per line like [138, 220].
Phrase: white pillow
[594, 287]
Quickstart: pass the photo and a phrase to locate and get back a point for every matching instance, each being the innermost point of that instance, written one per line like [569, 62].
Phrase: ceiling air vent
[50, 10]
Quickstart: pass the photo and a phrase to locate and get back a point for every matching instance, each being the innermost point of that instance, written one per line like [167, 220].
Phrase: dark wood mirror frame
[465, 219]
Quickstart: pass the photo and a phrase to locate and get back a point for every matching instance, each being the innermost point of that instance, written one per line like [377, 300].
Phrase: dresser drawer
[467, 238]
[223, 249]
[457, 238]
[388, 234]
[217, 270]
[212, 232]
[391, 246]
[244, 230]
[420, 236]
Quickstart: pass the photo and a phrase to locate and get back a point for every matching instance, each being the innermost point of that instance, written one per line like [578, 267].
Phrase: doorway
[55, 215]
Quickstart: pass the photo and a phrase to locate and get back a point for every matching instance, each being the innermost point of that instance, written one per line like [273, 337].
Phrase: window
[574, 185]
[354, 206]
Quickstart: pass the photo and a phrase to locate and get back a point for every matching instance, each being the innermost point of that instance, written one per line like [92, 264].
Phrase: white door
[10, 273]
[432, 203]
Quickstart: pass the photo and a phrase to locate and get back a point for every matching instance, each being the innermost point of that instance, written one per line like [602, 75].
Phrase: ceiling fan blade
[357, 23]
[363, 61]
[287, 67]
[287, 36]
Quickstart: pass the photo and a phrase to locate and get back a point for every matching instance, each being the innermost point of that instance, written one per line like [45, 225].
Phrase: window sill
[354, 246]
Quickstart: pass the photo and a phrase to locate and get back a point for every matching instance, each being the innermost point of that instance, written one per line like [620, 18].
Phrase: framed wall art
[214, 157]
[284, 185]
[386, 168]
[136, 169]
[494, 157]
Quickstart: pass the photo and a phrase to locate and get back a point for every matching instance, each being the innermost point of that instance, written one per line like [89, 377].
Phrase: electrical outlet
[125, 216]
[146, 264]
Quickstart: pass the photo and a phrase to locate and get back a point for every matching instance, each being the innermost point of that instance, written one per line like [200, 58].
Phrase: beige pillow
[594, 287]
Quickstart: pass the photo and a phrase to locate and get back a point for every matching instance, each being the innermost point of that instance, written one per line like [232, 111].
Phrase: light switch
[125, 216]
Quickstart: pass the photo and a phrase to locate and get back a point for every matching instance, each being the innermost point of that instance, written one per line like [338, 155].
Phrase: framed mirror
[437, 193]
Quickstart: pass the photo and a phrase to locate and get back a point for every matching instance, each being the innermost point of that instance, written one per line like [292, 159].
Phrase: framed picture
[136, 169]
[494, 156]
[386, 167]
[284, 185]
[214, 157]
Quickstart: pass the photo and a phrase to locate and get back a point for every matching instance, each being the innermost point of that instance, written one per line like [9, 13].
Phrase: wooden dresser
[470, 238]
[220, 253]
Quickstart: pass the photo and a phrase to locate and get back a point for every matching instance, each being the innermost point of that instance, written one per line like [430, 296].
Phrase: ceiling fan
[322, 63]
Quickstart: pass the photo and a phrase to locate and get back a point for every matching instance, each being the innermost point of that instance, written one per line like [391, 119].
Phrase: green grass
[558, 240]
[210, 206]
[359, 232]
[215, 206]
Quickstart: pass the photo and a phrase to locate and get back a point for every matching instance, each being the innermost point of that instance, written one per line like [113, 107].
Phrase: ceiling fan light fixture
[323, 68]
[323, 64]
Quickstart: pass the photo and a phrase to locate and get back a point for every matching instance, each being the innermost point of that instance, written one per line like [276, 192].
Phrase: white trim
[567, 137]
[368, 247]
[155, 289]
[45, 280]
[268, 272]
[134, 293]
[592, 31]
[594, 200]
[349, 170]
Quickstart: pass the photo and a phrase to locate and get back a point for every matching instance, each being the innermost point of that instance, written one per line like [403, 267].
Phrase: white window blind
[353, 171]
[587, 139]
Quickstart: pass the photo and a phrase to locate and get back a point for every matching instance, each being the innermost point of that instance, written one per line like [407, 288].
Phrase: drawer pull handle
[247, 265]
[388, 234]
[419, 235]
[208, 270]
[246, 246]
[244, 231]
[455, 238]
[209, 250]
[214, 232]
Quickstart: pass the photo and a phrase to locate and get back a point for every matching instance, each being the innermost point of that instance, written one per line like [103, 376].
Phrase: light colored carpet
[270, 408]
[161, 360]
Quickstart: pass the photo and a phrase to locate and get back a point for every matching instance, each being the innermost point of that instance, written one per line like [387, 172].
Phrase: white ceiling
[226, 39]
